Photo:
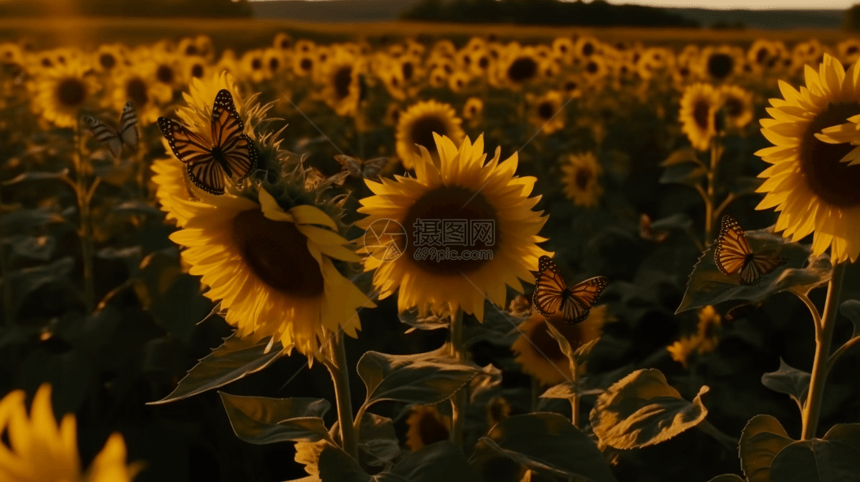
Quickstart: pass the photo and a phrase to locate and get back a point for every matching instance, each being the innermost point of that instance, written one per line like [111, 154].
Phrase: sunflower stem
[709, 198]
[460, 398]
[820, 365]
[336, 364]
[8, 312]
[85, 232]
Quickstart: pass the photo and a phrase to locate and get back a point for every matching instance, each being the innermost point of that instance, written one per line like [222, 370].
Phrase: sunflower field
[423, 258]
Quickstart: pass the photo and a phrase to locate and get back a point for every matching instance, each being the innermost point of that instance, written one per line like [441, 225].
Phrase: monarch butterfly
[552, 295]
[368, 169]
[733, 255]
[229, 152]
[125, 134]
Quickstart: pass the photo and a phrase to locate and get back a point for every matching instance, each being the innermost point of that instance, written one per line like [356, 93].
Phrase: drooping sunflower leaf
[567, 390]
[335, 465]
[441, 461]
[236, 358]
[642, 409]
[790, 381]
[35, 176]
[544, 442]
[709, 286]
[261, 420]
[761, 440]
[28, 280]
[26, 219]
[834, 458]
[499, 327]
[563, 345]
[682, 156]
[423, 323]
[687, 174]
[378, 443]
[851, 310]
[423, 378]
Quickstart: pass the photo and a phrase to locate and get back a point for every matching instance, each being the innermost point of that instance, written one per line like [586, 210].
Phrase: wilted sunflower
[737, 106]
[538, 352]
[60, 92]
[544, 111]
[582, 179]
[36, 449]
[699, 107]
[417, 126]
[339, 76]
[426, 426]
[458, 186]
[813, 191]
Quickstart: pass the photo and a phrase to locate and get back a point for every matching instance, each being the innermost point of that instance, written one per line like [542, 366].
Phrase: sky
[742, 4]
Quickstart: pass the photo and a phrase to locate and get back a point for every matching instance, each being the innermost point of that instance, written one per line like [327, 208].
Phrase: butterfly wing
[373, 167]
[760, 265]
[228, 134]
[196, 153]
[128, 126]
[350, 164]
[549, 287]
[582, 297]
[105, 134]
[732, 249]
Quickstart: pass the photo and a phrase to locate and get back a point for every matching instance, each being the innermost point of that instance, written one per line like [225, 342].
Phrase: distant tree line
[126, 8]
[545, 12]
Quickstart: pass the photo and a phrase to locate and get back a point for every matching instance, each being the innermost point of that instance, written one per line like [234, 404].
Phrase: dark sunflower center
[285, 44]
[591, 67]
[545, 110]
[432, 429]
[278, 254]
[684, 71]
[761, 55]
[71, 92]
[274, 63]
[570, 85]
[834, 182]
[701, 113]
[483, 62]
[587, 49]
[256, 64]
[408, 70]
[197, 71]
[582, 177]
[733, 107]
[546, 343]
[135, 90]
[107, 60]
[46, 62]
[454, 210]
[423, 129]
[306, 64]
[720, 65]
[165, 74]
[342, 81]
[522, 69]
[852, 49]
[191, 50]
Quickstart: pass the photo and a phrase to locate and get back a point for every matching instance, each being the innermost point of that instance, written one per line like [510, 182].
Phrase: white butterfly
[115, 138]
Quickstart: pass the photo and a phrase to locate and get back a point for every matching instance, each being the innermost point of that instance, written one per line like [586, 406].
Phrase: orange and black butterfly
[734, 256]
[124, 134]
[228, 153]
[552, 295]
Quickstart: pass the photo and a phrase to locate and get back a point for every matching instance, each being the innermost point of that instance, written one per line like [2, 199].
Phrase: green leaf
[686, 174]
[39, 248]
[676, 222]
[682, 156]
[708, 286]
[835, 458]
[378, 444]
[544, 442]
[642, 410]
[26, 219]
[761, 440]
[790, 381]
[498, 328]
[28, 280]
[851, 310]
[423, 378]
[727, 478]
[235, 359]
[335, 465]
[426, 323]
[567, 390]
[563, 345]
[438, 462]
[485, 383]
[261, 420]
[35, 176]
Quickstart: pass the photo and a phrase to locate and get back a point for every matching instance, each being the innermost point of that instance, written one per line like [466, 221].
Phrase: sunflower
[195, 68]
[282, 41]
[473, 108]
[807, 184]
[253, 67]
[108, 57]
[563, 47]
[37, 449]
[438, 77]
[544, 110]
[737, 105]
[482, 63]
[518, 66]
[458, 81]
[339, 76]
[457, 189]
[699, 106]
[761, 54]
[139, 85]
[572, 87]
[849, 50]
[11, 54]
[582, 179]
[419, 123]
[426, 426]
[538, 352]
[167, 71]
[392, 114]
[681, 350]
[60, 92]
[586, 47]
[719, 64]
[594, 69]
[704, 341]
[303, 64]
